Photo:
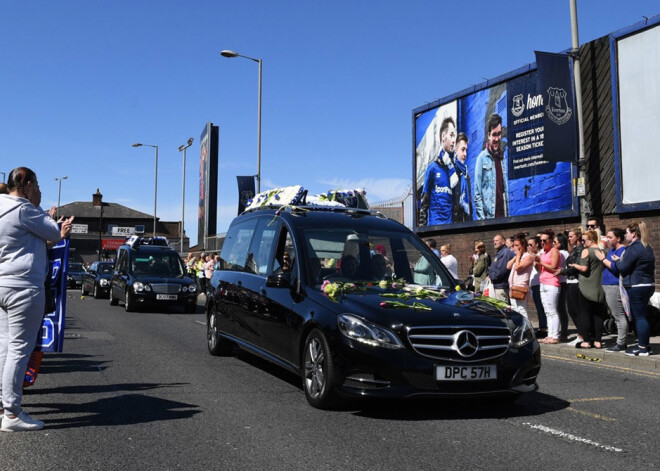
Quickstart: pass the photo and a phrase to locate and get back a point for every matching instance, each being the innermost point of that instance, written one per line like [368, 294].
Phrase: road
[140, 391]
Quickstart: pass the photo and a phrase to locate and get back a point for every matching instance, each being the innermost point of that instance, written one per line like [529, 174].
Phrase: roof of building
[85, 209]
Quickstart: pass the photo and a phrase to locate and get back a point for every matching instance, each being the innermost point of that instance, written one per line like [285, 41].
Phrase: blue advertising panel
[479, 158]
[52, 329]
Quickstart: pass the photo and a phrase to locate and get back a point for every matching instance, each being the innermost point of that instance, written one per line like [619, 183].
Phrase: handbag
[518, 292]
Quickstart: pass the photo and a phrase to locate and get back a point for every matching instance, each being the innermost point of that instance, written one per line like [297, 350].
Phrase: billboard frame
[510, 220]
[614, 37]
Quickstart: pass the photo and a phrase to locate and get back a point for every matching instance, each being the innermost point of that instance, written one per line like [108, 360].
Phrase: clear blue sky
[82, 80]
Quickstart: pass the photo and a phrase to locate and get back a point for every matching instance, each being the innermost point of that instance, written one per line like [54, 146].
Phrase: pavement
[616, 359]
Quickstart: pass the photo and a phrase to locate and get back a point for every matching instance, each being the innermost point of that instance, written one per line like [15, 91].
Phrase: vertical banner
[52, 329]
[245, 191]
[560, 119]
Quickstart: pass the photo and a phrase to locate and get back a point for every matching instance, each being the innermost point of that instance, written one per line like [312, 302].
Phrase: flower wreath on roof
[286, 196]
[297, 196]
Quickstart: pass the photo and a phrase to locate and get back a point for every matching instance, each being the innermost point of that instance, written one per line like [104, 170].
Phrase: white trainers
[21, 423]
[574, 342]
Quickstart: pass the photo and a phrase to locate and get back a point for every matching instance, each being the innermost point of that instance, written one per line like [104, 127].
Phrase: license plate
[466, 373]
[166, 297]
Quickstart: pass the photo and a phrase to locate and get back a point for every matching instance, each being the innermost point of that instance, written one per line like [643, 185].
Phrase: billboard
[207, 209]
[479, 155]
[635, 59]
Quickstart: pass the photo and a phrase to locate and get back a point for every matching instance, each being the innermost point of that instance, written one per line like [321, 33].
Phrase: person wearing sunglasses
[547, 264]
[637, 267]
[590, 282]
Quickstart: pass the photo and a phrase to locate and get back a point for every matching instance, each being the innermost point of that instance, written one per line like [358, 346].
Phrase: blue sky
[82, 80]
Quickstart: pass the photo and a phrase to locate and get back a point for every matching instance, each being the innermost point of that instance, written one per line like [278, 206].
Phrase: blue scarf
[462, 174]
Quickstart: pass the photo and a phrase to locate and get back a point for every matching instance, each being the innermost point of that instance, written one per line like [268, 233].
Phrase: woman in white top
[521, 267]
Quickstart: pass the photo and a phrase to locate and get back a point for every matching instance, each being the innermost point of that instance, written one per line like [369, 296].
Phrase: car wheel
[217, 345]
[113, 301]
[96, 291]
[83, 291]
[319, 375]
[128, 302]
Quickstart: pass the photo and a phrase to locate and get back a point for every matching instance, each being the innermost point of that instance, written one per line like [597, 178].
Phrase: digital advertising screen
[480, 157]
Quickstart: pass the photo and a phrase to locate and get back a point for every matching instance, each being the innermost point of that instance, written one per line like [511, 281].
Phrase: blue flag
[52, 329]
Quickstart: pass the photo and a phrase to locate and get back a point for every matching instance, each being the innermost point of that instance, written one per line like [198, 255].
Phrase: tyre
[319, 375]
[113, 301]
[83, 291]
[217, 345]
[96, 291]
[129, 304]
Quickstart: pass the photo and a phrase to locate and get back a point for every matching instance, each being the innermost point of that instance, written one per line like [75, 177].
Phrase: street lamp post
[230, 54]
[3, 176]
[183, 148]
[137, 144]
[59, 193]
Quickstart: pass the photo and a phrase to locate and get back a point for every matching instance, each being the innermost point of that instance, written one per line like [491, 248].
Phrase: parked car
[74, 274]
[97, 279]
[357, 305]
[148, 272]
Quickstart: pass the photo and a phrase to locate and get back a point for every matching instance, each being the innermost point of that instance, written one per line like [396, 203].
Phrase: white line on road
[200, 322]
[568, 436]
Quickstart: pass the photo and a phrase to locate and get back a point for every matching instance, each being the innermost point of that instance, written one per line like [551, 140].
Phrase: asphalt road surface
[140, 391]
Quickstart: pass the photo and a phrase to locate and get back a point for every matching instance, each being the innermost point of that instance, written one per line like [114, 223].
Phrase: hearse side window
[285, 257]
[235, 248]
[261, 247]
[121, 263]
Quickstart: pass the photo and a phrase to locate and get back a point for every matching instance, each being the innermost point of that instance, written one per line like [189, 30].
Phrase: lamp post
[137, 144]
[183, 148]
[3, 176]
[59, 193]
[230, 54]
[100, 227]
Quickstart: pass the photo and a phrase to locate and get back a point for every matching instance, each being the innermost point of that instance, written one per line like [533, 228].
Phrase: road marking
[648, 374]
[591, 399]
[200, 322]
[591, 414]
[571, 437]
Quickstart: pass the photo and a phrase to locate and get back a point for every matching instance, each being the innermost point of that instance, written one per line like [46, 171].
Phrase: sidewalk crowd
[580, 274]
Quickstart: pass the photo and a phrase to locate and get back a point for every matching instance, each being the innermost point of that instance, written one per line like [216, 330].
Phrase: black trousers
[592, 316]
[573, 304]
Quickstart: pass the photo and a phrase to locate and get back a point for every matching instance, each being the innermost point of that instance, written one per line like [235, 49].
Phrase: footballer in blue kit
[440, 180]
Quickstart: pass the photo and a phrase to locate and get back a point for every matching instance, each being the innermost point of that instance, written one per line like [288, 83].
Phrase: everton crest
[557, 108]
[518, 106]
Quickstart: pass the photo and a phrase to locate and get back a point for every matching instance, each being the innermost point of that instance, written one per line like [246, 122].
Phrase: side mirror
[279, 280]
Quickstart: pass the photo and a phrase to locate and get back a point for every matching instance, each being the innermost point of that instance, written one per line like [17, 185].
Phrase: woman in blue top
[615, 239]
[637, 267]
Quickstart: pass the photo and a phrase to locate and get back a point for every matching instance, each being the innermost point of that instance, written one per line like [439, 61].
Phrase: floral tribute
[412, 292]
[337, 289]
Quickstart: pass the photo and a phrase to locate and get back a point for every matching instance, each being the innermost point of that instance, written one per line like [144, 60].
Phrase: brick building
[116, 222]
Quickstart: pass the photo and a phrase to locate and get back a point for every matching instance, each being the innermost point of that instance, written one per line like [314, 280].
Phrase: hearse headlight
[103, 282]
[365, 332]
[523, 334]
[192, 288]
